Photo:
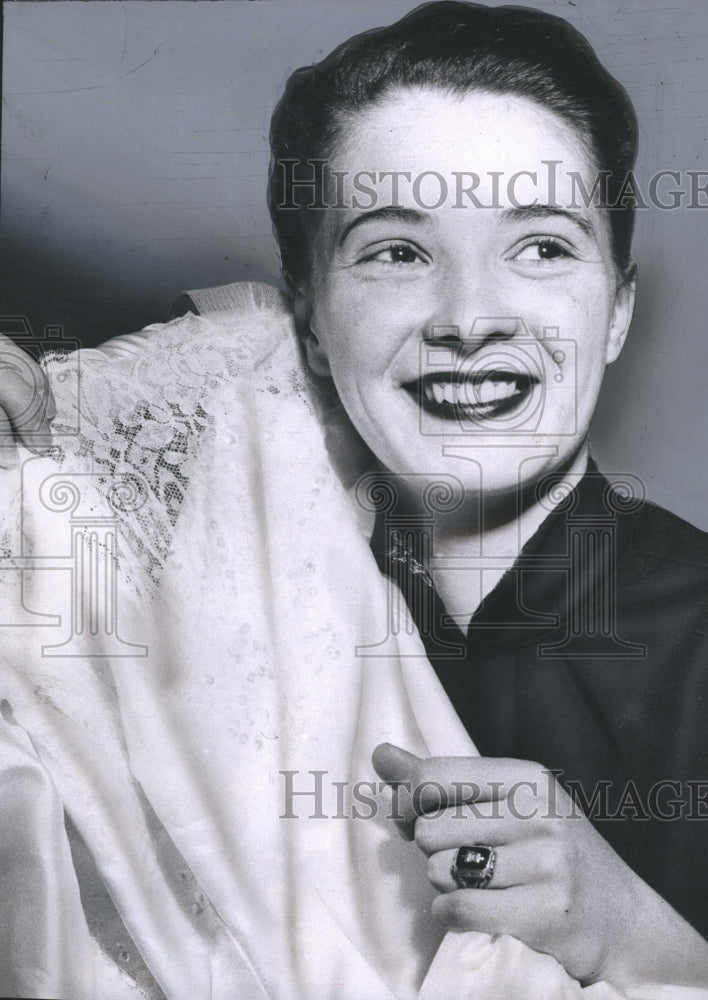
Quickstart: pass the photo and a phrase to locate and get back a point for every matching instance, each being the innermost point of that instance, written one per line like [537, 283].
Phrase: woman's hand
[557, 884]
[26, 404]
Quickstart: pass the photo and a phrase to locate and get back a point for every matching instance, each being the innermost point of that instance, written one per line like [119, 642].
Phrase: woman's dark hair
[458, 48]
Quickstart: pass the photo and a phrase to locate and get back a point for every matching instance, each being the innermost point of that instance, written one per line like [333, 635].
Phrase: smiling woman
[356, 530]
[476, 279]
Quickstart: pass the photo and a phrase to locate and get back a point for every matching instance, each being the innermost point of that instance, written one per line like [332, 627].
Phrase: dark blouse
[590, 656]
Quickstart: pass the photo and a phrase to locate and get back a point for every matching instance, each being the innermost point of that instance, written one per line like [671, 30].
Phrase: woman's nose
[479, 331]
[470, 310]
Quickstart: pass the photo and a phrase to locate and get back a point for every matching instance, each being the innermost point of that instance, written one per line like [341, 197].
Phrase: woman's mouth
[475, 396]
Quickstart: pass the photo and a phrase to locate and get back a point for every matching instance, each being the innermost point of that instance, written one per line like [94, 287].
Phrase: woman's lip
[476, 377]
[473, 407]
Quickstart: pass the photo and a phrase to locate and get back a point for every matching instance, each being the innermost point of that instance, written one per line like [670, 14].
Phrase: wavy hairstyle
[457, 47]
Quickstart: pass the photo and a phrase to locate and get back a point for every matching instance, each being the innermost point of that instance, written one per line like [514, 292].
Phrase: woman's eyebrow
[523, 213]
[388, 213]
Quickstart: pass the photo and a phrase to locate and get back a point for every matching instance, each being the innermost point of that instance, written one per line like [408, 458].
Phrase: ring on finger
[473, 867]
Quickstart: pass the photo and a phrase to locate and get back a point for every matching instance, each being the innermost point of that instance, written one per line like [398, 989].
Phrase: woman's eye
[396, 253]
[542, 250]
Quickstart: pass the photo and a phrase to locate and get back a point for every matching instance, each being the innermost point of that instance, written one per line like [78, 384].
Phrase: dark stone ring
[473, 867]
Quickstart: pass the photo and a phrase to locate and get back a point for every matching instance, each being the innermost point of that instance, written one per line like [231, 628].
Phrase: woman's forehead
[412, 132]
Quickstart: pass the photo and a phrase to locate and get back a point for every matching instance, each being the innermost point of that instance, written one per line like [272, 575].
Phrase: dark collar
[563, 579]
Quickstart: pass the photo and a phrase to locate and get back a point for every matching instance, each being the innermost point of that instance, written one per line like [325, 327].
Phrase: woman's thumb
[393, 764]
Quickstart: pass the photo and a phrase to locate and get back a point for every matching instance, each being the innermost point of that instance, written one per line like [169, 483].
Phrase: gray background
[135, 154]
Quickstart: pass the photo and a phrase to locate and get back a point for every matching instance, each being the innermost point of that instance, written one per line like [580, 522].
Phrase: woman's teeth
[470, 393]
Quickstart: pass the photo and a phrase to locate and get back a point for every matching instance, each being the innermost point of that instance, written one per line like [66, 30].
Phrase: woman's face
[469, 338]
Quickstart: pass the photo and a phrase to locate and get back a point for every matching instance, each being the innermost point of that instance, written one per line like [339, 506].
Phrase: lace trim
[135, 414]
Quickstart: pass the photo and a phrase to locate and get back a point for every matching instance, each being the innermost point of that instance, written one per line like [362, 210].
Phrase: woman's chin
[447, 474]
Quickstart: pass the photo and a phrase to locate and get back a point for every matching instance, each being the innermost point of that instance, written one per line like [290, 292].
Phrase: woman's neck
[473, 551]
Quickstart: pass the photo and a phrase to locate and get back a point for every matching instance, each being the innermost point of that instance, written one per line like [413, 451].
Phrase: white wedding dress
[185, 592]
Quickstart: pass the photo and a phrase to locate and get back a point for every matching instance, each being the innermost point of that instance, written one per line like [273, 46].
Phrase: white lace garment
[186, 594]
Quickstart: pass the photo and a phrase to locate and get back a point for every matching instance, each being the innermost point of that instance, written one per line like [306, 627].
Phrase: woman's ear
[622, 314]
[314, 351]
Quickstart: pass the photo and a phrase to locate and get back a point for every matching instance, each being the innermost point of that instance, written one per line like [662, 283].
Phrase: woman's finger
[51, 406]
[436, 782]
[514, 865]
[458, 826]
[522, 911]
[14, 358]
[26, 398]
[8, 448]
[492, 823]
